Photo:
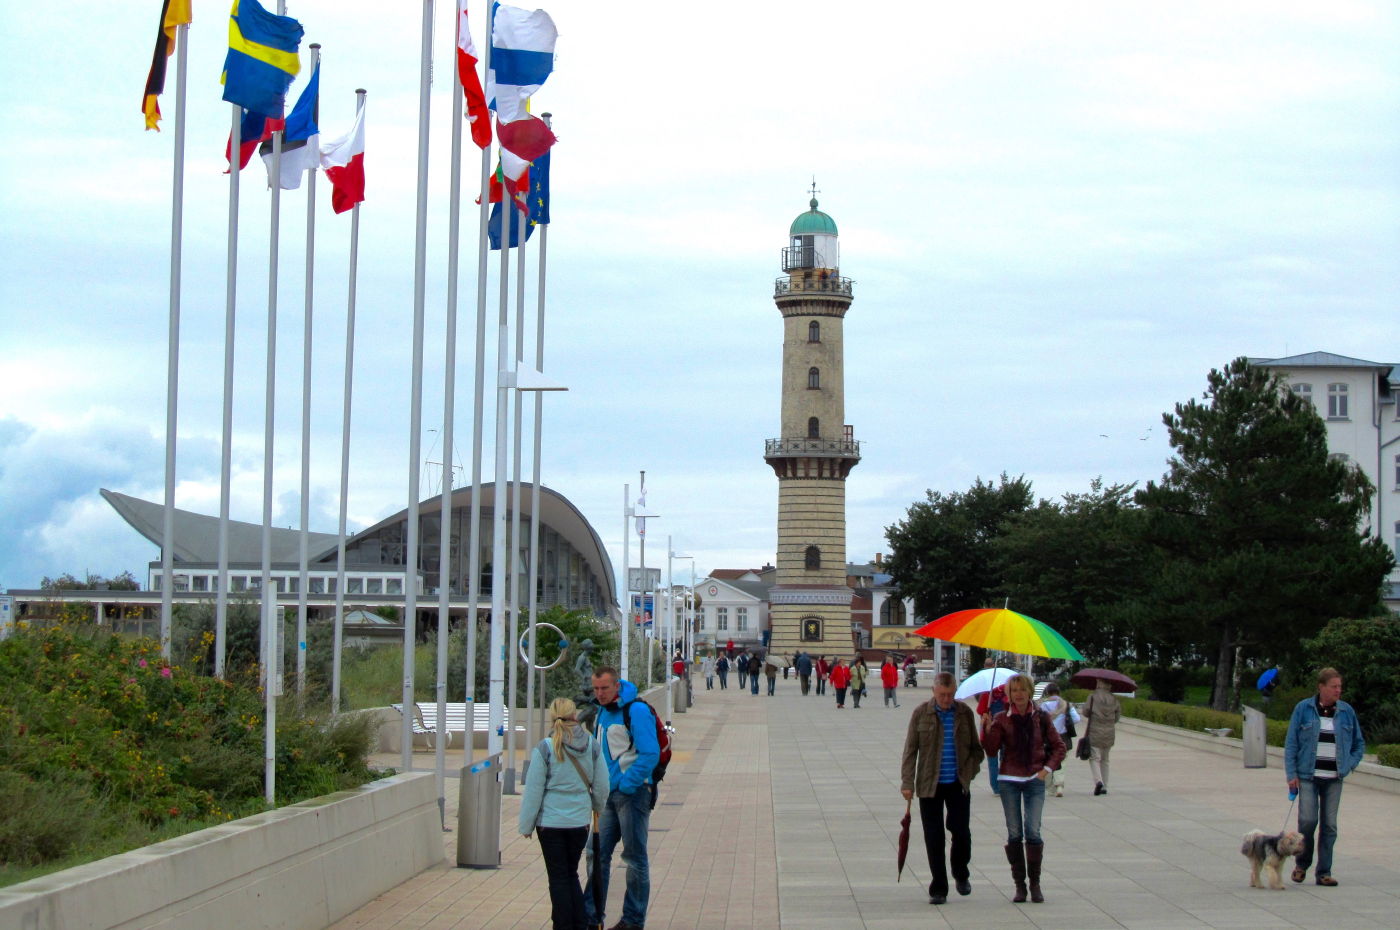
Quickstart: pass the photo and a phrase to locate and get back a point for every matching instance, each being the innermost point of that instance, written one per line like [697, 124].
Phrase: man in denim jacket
[1324, 744]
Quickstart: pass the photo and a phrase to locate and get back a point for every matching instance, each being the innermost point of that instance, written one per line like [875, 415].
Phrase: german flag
[173, 14]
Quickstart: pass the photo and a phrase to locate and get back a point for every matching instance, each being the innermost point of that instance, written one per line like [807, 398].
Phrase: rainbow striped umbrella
[1000, 629]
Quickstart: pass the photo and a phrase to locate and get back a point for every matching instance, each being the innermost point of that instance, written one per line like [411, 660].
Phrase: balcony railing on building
[817, 284]
[829, 448]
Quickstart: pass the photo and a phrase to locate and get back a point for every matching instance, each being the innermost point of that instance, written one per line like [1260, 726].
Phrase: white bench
[425, 719]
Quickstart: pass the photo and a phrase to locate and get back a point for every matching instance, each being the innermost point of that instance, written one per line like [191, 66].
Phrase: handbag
[1083, 751]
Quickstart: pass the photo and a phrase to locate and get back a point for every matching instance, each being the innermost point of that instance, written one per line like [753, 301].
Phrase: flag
[262, 58]
[539, 191]
[344, 162]
[477, 113]
[173, 14]
[518, 187]
[493, 227]
[527, 137]
[522, 56]
[301, 137]
[253, 128]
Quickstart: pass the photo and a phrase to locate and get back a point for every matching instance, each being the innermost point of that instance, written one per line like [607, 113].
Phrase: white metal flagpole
[499, 525]
[626, 626]
[172, 385]
[534, 597]
[415, 425]
[345, 442]
[513, 593]
[306, 340]
[447, 565]
[225, 464]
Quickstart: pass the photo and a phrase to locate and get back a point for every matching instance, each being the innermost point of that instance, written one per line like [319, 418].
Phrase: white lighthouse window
[814, 379]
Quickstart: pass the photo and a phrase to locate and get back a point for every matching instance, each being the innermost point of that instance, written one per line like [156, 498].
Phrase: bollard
[479, 815]
[1256, 743]
[678, 694]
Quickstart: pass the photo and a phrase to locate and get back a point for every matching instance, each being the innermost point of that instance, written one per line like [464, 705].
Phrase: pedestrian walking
[742, 664]
[859, 675]
[566, 784]
[840, 680]
[1323, 746]
[707, 668]
[1064, 717]
[770, 671]
[823, 672]
[755, 669]
[787, 666]
[722, 669]
[1102, 710]
[1031, 750]
[942, 756]
[889, 680]
[803, 665]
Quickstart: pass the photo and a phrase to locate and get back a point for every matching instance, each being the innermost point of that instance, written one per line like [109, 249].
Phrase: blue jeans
[625, 818]
[992, 768]
[771, 683]
[1021, 803]
[1318, 800]
[723, 680]
[753, 684]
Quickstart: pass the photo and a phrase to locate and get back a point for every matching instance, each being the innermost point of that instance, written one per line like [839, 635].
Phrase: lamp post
[671, 556]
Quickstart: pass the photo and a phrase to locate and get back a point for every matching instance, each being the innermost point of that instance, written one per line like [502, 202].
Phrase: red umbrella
[903, 840]
[1089, 677]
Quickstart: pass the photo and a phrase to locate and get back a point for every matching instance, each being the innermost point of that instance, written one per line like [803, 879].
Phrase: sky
[1058, 219]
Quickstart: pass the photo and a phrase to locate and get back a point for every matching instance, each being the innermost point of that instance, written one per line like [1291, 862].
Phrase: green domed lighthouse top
[813, 222]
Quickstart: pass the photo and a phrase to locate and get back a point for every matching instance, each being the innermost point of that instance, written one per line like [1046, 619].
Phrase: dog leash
[1292, 801]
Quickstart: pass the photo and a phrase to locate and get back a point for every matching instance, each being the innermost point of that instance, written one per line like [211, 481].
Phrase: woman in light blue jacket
[567, 781]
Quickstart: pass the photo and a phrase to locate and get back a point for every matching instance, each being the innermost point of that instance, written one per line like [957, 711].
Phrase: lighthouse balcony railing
[817, 283]
[828, 448]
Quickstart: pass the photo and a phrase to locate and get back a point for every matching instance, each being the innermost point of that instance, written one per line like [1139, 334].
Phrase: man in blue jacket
[1324, 744]
[631, 757]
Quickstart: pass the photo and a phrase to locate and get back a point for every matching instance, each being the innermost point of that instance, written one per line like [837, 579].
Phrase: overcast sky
[1058, 218]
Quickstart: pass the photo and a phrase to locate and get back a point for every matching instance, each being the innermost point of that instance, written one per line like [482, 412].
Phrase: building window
[741, 619]
[201, 582]
[238, 583]
[374, 586]
[317, 586]
[814, 331]
[1304, 391]
[700, 615]
[812, 558]
[814, 428]
[354, 586]
[393, 586]
[814, 379]
[1337, 402]
[721, 618]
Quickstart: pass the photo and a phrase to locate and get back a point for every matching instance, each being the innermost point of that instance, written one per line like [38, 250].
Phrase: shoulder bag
[1083, 751]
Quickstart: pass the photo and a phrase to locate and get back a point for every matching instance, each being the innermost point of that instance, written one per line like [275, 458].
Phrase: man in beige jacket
[942, 755]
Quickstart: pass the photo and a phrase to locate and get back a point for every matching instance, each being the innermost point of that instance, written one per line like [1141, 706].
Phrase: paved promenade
[784, 812]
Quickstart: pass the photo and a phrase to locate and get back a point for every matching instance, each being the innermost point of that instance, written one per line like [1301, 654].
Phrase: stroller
[911, 676]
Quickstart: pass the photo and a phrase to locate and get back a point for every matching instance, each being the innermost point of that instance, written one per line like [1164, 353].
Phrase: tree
[1363, 649]
[942, 553]
[67, 582]
[1078, 564]
[1257, 525]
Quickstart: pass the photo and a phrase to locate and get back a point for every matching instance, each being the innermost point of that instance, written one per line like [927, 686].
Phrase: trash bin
[479, 815]
[678, 695]
[1256, 743]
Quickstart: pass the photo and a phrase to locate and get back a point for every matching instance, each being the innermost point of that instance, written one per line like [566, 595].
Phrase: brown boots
[1015, 854]
[1025, 865]
[1033, 857]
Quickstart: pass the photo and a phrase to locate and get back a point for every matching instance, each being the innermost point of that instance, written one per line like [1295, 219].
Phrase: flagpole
[415, 426]
[514, 592]
[498, 509]
[172, 387]
[446, 564]
[626, 579]
[306, 341]
[532, 734]
[225, 464]
[478, 410]
[345, 441]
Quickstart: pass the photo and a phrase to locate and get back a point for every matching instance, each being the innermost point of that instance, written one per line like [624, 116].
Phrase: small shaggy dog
[1267, 851]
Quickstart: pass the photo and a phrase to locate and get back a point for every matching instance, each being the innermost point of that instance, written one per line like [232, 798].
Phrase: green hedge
[1389, 754]
[1195, 719]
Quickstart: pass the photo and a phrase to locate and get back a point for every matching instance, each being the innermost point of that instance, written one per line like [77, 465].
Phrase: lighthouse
[810, 603]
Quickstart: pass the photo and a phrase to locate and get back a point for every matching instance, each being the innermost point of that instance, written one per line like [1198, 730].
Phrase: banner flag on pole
[539, 191]
[173, 14]
[301, 137]
[477, 113]
[493, 228]
[527, 137]
[262, 58]
[344, 162]
[522, 56]
[254, 128]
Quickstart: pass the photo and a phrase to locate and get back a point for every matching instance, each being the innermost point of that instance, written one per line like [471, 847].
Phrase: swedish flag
[262, 58]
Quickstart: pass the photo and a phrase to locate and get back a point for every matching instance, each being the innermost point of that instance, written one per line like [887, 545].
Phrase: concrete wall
[305, 865]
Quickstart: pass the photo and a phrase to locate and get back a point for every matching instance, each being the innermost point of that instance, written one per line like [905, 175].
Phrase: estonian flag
[262, 58]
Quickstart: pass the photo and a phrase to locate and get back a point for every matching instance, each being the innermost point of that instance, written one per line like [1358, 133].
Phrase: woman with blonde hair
[1031, 749]
[566, 782]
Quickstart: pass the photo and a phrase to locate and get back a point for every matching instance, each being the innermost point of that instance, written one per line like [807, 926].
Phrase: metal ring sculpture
[525, 641]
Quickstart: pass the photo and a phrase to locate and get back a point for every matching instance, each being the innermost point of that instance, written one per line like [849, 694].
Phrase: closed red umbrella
[1089, 677]
[903, 840]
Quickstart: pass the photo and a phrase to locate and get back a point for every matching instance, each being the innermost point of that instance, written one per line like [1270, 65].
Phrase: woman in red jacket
[1031, 749]
[840, 680]
[889, 680]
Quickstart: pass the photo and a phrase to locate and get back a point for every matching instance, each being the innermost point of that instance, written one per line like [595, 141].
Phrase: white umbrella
[983, 681]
